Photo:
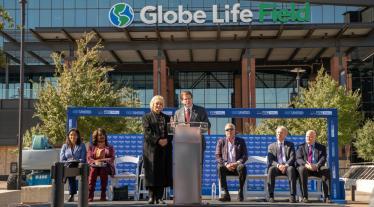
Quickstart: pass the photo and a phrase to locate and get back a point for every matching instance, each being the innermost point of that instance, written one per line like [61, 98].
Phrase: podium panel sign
[187, 165]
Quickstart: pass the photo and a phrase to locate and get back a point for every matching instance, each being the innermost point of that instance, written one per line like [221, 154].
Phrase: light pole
[298, 71]
[21, 88]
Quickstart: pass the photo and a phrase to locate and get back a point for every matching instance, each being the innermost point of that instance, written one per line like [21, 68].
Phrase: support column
[6, 77]
[334, 68]
[248, 87]
[160, 78]
[170, 88]
[252, 88]
[348, 76]
[238, 100]
[339, 70]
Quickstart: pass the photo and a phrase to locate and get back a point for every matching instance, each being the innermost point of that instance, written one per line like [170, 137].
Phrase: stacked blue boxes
[132, 144]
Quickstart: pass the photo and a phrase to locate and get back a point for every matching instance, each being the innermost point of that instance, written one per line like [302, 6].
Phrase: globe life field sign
[121, 14]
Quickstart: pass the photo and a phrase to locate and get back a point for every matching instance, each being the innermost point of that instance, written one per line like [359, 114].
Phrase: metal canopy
[223, 43]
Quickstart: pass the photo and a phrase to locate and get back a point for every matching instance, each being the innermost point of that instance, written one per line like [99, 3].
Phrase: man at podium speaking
[191, 113]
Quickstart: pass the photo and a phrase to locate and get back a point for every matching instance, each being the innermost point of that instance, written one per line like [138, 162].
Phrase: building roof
[221, 43]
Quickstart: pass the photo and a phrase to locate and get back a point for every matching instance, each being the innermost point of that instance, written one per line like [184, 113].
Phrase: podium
[187, 161]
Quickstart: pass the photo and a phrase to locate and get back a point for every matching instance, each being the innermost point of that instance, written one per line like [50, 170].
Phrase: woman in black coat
[157, 151]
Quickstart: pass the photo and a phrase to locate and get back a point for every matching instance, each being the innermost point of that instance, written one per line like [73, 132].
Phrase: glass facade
[141, 82]
[363, 80]
[210, 89]
[94, 13]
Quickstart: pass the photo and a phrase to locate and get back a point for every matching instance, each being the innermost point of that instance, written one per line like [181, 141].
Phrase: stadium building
[229, 53]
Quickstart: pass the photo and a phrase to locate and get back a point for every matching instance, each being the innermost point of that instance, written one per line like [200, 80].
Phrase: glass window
[92, 17]
[80, 4]
[328, 14]
[81, 21]
[57, 4]
[17, 17]
[104, 4]
[139, 4]
[45, 4]
[92, 4]
[33, 4]
[316, 14]
[32, 18]
[259, 95]
[69, 18]
[339, 11]
[57, 18]
[45, 21]
[103, 17]
[10, 4]
[69, 4]
[270, 95]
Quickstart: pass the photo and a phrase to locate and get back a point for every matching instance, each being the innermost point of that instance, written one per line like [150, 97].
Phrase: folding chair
[125, 175]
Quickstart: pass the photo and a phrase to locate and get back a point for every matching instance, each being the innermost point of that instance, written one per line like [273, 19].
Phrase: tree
[82, 82]
[324, 92]
[364, 142]
[4, 18]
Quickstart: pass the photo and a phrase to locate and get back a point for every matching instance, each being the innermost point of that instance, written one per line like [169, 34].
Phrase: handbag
[120, 193]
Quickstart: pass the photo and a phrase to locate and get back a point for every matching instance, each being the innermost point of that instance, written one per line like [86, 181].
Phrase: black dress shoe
[151, 201]
[271, 200]
[71, 198]
[292, 199]
[225, 198]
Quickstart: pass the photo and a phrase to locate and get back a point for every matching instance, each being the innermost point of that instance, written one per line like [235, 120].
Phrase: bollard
[58, 184]
[83, 185]
[353, 193]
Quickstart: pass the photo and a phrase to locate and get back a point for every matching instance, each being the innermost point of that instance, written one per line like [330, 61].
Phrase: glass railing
[14, 93]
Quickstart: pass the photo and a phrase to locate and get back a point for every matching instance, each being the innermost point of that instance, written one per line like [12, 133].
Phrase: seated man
[311, 159]
[231, 154]
[281, 160]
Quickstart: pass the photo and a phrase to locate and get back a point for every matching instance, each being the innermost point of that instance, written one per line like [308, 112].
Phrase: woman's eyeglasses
[229, 129]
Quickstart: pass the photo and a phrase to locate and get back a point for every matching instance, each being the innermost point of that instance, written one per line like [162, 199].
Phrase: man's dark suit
[198, 114]
[319, 160]
[273, 170]
[241, 156]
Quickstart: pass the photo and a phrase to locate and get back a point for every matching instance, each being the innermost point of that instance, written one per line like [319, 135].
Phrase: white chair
[141, 190]
[125, 175]
[263, 194]
[262, 160]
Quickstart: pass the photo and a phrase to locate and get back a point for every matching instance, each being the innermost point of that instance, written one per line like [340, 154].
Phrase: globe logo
[121, 15]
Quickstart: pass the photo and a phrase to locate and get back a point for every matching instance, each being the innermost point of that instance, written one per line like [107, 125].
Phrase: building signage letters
[121, 14]
[284, 15]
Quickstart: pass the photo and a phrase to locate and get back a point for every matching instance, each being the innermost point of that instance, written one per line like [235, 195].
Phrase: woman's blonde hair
[155, 99]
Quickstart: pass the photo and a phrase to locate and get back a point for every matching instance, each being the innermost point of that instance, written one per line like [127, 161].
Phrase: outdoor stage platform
[280, 203]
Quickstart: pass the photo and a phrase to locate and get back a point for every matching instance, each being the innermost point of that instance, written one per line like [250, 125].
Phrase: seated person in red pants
[100, 156]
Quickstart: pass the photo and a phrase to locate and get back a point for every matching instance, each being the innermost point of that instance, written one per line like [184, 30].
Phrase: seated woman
[73, 150]
[101, 159]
